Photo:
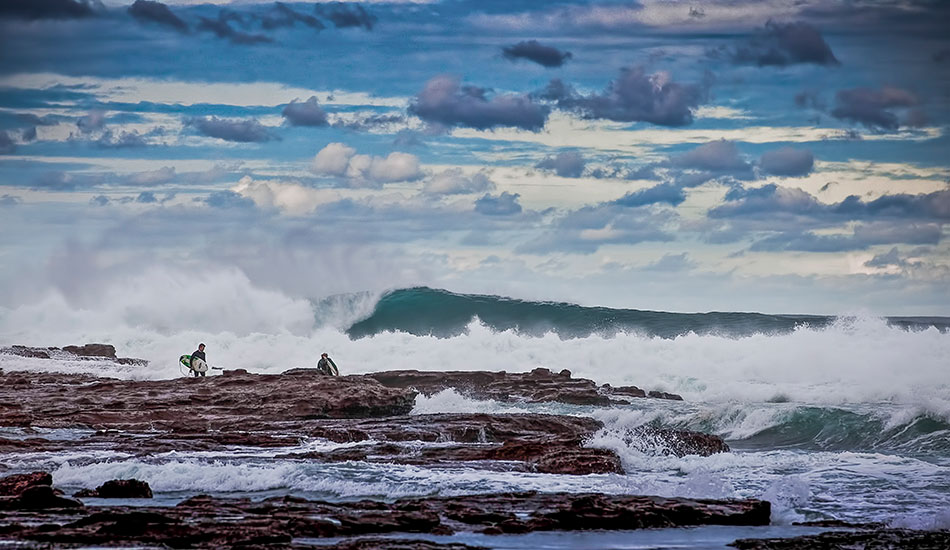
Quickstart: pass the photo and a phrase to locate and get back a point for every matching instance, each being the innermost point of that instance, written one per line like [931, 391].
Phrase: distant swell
[426, 311]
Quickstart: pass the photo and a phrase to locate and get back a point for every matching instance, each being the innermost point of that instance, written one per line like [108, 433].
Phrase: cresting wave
[160, 315]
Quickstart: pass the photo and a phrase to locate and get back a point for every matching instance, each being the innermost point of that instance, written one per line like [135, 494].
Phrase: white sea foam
[162, 314]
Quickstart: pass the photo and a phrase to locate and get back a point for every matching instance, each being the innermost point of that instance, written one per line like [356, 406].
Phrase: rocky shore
[371, 415]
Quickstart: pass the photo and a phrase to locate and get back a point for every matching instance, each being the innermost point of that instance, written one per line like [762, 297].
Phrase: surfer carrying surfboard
[199, 363]
[326, 366]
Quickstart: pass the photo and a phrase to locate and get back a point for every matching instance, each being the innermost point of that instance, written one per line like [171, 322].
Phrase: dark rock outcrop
[878, 539]
[118, 488]
[14, 485]
[539, 385]
[206, 522]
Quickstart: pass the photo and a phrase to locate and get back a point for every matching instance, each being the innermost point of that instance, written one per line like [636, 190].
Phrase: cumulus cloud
[567, 164]
[445, 102]
[532, 50]
[164, 174]
[787, 161]
[505, 204]
[29, 134]
[664, 192]
[873, 108]
[120, 140]
[156, 12]
[48, 9]
[95, 120]
[782, 44]
[227, 200]
[771, 200]
[346, 15]
[223, 29]
[241, 131]
[146, 197]
[864, 236]
[336, 159]
[454, 181]
[634, 96]
[307, 113]
[585, 230]
[713, 159]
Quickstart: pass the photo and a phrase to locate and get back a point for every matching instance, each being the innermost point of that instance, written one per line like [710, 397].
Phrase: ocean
[828, 417]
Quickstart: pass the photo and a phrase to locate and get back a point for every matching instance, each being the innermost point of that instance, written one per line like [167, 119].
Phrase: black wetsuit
[198, 355]
[325, 366]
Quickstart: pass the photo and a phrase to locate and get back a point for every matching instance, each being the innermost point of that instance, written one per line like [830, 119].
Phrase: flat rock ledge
[538, 386]
[238, 408]
[208, 522]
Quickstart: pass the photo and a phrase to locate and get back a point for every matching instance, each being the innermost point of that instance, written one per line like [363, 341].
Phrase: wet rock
[118, 488]
[880, 539]
[398, 544]
[14, 485]
[38, 497]
[539, 385]
[207, 522]
[92, 350]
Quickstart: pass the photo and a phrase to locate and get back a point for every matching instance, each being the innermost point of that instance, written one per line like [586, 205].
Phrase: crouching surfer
[326, 366]
[199, 363]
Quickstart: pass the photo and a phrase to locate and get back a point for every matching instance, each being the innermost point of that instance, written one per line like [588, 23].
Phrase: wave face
[425, 311]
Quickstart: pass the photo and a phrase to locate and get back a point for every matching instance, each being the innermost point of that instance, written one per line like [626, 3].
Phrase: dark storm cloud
[505, 204]
[941, 56]
[346, 15]
[532, 50]
[873, 108]
[864, 236]
[223, 29]
[444, 102]
[781, 44]
[664, 192]
[787, 161]
[156, 12]
[29, 134]
[281, 15]
[567, 164]
[634, 96]
[307, 113]
[6, 143]
[48, 9]
[241, 131]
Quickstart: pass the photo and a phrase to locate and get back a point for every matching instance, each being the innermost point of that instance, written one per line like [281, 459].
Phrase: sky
[773, 156]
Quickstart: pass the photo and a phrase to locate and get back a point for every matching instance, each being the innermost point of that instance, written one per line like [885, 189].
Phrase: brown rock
[118, 488]
[14, 485]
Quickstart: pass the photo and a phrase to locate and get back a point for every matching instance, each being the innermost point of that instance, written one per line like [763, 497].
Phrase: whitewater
[844, 417]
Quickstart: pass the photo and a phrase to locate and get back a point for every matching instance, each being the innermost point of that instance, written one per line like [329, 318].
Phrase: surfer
[199, 363]
[326, 366]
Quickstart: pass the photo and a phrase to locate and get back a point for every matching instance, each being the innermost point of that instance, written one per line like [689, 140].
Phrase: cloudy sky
[776, 156]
